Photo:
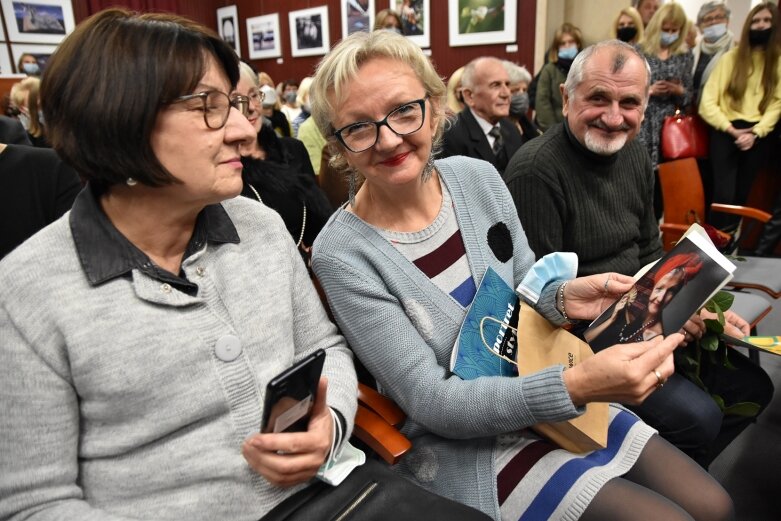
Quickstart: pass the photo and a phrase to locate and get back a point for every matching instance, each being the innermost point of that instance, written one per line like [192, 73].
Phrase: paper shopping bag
[541, 345]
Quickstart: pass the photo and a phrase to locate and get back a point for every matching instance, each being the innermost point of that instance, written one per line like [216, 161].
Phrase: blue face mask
[714, 32]
[669, 38]
[568, 53]
[30, 68]
[556, 266]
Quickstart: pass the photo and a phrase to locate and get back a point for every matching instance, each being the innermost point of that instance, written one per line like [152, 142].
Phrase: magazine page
[666, 295]
[768, 344]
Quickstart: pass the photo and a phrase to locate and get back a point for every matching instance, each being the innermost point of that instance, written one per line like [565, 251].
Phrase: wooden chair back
[683, 196]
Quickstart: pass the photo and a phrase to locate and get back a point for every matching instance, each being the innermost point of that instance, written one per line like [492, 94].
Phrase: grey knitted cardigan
[403, 327]
[114, 403]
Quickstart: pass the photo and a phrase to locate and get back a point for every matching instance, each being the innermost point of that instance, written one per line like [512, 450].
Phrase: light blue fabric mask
[568, 53]
[551, 268]
[31, 68]
[714, 32]
[669, 38]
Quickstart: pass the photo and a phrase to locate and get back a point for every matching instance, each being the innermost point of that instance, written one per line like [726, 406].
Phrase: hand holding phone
[289, 458]
[290, 396]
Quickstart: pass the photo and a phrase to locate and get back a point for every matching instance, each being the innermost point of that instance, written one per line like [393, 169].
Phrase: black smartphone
[290, 396]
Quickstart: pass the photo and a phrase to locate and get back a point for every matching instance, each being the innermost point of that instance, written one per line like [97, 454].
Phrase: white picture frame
[481, 22]
[40, 51]
[38, 21]
[264, 39]
[6, 65]
[309, 34]
[416, 20]
[357, 15]
[227, 21]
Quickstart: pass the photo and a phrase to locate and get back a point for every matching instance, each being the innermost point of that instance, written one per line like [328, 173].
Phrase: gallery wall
[446, 58]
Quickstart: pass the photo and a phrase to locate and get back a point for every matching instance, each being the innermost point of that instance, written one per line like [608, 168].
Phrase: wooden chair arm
[384, 439]
[744, 211]
[381, 405]
[681, 228]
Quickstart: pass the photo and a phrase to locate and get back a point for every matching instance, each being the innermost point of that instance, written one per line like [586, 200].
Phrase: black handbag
[371, 492]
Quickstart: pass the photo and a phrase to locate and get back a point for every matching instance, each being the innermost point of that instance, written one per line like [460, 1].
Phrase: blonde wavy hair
[671, 12]
[340, 66]
[453, 86]
[30, 86]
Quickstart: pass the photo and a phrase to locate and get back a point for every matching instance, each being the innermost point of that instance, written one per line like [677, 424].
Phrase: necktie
[497, 135]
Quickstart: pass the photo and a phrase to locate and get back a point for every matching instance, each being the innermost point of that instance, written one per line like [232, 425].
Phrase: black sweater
[570, 199]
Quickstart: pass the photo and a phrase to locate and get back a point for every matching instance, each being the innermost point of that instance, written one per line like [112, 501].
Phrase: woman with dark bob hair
[139, 331]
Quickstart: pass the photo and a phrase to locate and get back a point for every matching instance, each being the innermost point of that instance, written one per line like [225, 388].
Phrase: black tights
[663, 484]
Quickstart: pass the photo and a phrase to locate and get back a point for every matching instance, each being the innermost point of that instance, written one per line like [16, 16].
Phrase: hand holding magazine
[666, 293]
[490, 341]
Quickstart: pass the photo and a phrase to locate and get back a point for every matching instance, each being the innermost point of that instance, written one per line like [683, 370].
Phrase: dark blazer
[466, 138]
[12, 132]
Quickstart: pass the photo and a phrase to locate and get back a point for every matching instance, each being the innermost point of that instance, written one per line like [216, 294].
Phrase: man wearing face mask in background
[519, 100]
[272, 116]
[290, 108]
[712, 21]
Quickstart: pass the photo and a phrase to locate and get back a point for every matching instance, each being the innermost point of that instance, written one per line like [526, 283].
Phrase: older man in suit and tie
[482, 129]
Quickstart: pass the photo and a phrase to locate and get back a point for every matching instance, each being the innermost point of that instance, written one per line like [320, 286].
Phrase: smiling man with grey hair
[586, 185]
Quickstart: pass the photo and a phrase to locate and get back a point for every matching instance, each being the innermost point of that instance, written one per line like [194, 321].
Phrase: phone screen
[290, 396]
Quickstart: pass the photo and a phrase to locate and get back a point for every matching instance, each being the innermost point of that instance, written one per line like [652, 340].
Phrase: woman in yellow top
[742, 102]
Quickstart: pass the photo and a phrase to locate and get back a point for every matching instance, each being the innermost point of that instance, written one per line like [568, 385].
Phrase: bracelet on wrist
[560, 301]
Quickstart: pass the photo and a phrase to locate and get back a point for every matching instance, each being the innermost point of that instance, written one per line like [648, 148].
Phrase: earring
[131, 182]
[352, 181]
[428, 168]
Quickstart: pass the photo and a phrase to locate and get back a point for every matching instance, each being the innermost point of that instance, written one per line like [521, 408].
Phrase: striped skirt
[536, 480]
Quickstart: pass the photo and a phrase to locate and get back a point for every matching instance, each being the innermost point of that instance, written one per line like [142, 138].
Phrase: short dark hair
[107, 81]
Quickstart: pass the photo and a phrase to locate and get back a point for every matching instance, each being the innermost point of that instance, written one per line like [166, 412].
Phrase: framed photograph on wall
[5, 60]
[41, 52]
[228, 26]
[480, 22]
[309, 31]
[357, 15]
[415, 20]
[38, 21]
[263, 37]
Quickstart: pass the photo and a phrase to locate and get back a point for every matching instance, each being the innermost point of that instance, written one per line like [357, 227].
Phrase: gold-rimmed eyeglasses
[713, 19]
[216, 105]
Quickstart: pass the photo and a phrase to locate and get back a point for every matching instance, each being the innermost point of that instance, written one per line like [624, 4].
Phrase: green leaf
[719, 400]
[747, 409]
[709, 342]
[721, 301]
[713, 326]
[726, 361]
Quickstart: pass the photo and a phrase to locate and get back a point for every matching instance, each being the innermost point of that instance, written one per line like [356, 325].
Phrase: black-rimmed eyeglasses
[404, 119]
[216, 105]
